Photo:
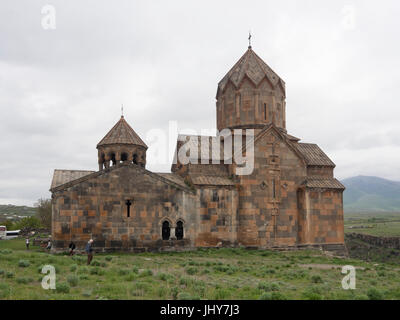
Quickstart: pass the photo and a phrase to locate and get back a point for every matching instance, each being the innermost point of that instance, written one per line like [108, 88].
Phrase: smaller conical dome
[122, 133]
[252, 66]
[121, 144]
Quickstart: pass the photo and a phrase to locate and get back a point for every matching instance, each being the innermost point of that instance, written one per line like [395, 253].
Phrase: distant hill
[372, 194]
[11, 212]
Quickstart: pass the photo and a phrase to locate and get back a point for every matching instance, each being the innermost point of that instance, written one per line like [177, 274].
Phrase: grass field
[376, 224]
[203, 274]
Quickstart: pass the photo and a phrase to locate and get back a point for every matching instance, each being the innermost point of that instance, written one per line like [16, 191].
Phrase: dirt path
[325, 266]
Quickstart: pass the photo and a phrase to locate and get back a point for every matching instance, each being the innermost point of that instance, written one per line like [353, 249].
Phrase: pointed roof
[252, 66]
[122, 133]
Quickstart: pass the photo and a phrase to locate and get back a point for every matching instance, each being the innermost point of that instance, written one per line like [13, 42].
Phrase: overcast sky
[61, 89]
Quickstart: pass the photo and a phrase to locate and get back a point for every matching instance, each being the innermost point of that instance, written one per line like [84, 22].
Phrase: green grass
[203, 274]
[376, 224]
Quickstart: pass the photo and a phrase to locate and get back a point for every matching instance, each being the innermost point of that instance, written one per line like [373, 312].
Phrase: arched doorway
[166, 230]
[179, 230]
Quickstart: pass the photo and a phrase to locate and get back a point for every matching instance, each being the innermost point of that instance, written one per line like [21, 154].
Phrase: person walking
[89, 251]
[72, 247]
[48, 245]
[27, 243]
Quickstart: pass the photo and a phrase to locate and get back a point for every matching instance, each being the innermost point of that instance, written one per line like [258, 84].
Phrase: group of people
[27, 243]
[72, 247]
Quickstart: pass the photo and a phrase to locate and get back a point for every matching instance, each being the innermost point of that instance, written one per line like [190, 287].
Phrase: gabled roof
[170, 179]
[330, 183]
[250, 65]
[204, 180]
[313, 155]
[122, 133]
[61, 177]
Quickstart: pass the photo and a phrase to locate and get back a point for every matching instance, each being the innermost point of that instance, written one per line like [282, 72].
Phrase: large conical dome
[251, 95]
[252, 66]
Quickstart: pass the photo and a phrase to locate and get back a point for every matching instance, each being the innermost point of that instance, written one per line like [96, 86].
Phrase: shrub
[221, 294]
[268, 286]
[109, 258]
[191, 270]
[4, 290]
[87, 292]
[146, 273]
[83, 277]
[316, 279]
[174, 292]
[62, 287]
[184, 296]
[23, 280]
[96, 270]
[374, 294]
[123, 272]
[72, 280]
[2, 272]
[95, 263]
[74, 267]
[272, 296]
[10, 274]
[23, 263]
[6, 251]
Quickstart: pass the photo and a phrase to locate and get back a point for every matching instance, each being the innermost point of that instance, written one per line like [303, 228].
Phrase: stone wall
[320, 216]
[217, 217]
[96, 208]
[268, 197]
[386, 242]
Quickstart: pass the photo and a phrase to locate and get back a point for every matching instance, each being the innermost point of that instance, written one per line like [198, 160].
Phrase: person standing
[27, 243]
[72, 247]
[89, 251]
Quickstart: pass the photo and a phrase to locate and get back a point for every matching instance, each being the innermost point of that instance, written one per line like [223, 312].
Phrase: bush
[191, 270]
[73, 280]
[146, 273]
[4, 290]
[123, 272]
[62, 287]
[268, 286]
[184, 296]
[272, 296]
[23, 263]
[24, 280]
[374, 294]
[316, 279]
[74, 267]
[221, 294]
[108, 258]
[6, 251]
[2, 272]
[87, 292]
[10, 274]
[174, 292]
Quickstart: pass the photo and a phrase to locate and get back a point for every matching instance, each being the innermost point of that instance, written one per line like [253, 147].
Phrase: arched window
[135, 158]
[113, 160]
[166, 230]
[179, 230]
[124, 157]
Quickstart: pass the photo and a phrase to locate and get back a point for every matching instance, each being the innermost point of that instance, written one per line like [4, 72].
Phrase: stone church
[290, 200]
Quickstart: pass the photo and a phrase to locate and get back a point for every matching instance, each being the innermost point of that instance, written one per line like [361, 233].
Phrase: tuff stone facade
[291, 199]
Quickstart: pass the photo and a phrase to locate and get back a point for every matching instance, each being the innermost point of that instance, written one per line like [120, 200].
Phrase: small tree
[44, 212]
[28, 222]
